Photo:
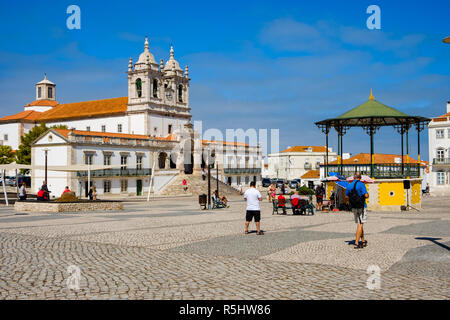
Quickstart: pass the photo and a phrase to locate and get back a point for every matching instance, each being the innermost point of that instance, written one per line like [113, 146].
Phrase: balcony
[242, 170]
[441, 161]
[116, 173]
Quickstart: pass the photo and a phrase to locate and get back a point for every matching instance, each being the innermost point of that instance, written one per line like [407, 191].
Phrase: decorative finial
[45, 76]
[171, 52]
[161, 65]
[186, 72]
[146, 43]
[130, 64]
[371, 95]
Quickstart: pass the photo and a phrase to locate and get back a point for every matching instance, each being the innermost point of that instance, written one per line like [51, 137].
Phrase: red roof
[379, 158]
[305, 149]
[29, 115]
[42, 102]
[65, 133]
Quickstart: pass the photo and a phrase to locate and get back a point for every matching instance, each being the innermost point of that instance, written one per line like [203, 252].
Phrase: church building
[151, 125]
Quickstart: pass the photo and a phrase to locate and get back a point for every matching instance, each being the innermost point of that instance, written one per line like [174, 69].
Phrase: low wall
[28, 206]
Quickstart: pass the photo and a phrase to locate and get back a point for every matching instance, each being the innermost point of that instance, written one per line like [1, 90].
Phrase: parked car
[266, 182]
[294, 183]
[280, 182]
[10, 181]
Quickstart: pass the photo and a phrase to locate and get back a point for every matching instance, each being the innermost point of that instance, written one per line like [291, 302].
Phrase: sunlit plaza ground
[170, 249]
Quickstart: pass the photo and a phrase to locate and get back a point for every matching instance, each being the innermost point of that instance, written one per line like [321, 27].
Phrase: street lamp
[46, 153]
[356, 162]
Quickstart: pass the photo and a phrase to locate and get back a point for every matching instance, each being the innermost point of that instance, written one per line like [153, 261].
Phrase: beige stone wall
[66, 207]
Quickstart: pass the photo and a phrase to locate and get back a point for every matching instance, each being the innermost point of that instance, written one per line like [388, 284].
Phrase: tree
[24, 151]
[6, 155]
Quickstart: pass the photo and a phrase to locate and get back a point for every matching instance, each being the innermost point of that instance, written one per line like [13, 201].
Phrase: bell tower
[45, 90]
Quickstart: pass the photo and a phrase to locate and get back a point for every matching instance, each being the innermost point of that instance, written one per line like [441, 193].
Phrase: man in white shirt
[253, 197]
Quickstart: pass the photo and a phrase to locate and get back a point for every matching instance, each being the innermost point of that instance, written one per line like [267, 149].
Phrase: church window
[103, 128]
[155, 88]
[5, 137]
[39, 92]
[50, 92]
[88, 158]
[107, 186]
[138, 162]
[123, 162]
[119, 127]
[180, 93]
[88, 128]
[162, 160]
[123, 185]
[169, 129]
[139, 87]
[107, 159]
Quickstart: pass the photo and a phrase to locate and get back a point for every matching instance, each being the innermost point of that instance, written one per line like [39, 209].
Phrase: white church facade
[151, 125]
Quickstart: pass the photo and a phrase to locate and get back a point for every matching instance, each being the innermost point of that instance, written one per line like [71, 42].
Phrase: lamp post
[356, 164]
[46, 156]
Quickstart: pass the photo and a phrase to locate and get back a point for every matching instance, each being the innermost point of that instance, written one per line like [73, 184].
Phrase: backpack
[356, 201]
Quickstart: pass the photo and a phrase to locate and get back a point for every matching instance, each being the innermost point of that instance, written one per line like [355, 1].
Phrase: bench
[303, 207]
[217, 204]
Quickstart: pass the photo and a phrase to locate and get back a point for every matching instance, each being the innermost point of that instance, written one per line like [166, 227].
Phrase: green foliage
[304, 190]
[6, 155]
[24, 152]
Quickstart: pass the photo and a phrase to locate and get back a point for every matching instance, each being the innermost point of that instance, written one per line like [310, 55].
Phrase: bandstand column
[371, 129]
[407, 153]
[418, 147]
[403, 167]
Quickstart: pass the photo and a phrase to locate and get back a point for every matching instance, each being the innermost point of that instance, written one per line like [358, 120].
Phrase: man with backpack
[357, 194]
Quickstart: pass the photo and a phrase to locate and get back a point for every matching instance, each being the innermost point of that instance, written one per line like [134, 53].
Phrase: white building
[153, 121]
[295, 162]
[439, 153]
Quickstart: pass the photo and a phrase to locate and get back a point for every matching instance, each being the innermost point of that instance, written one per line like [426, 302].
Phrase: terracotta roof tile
[311, 174]
[65, 133]
[304, 149]
[43, 102]
[86, 109]
[226, 143]
[29, 115]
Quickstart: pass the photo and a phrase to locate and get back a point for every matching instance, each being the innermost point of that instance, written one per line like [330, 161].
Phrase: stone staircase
[196, 186]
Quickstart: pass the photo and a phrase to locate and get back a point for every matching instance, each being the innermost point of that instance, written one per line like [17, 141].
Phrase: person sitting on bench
[295, 201]
[282, 203]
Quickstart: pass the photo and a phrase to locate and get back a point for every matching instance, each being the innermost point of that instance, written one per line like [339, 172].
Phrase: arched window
[139, 87]
[155, 88]
[180, 93]
[162, 160]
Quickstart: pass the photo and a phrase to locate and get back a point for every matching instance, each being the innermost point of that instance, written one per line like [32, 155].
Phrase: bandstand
[396, 185]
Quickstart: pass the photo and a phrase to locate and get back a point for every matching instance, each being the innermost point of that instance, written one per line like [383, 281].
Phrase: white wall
[12, 130]
[95, 124]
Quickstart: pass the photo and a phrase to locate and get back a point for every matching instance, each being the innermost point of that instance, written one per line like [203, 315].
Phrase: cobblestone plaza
[173, 250]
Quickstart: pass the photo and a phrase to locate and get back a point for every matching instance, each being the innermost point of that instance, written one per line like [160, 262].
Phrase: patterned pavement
[165, 251]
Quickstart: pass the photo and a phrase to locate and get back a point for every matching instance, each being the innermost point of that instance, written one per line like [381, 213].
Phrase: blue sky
[253, 64]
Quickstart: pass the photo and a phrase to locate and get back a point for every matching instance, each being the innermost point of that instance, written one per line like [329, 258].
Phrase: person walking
[320, 192]
[357, 194]
[185, 186]
[203, 174]
[23, 192]
[253, 197]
